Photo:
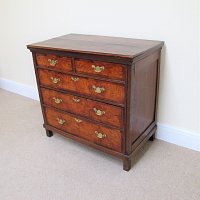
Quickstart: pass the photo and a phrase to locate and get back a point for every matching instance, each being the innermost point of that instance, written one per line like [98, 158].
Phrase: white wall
[174, 21]
[199, 62]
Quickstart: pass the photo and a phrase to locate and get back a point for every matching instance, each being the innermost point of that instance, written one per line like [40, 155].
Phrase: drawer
[54, 62]
[96, 88]
[110, 138]
[98, 111]
[98, 68]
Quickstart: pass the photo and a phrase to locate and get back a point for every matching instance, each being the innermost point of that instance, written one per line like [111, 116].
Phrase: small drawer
[54, 62]
[110, 138]
[98, 68]
[98, 111]
[99, 89]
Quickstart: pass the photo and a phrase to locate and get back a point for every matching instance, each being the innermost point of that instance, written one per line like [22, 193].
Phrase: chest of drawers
[100, 91]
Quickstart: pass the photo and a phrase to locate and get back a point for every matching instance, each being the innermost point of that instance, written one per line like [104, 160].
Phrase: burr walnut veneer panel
[97, 68]
[99, 89]
[78, 126]
[54, 62]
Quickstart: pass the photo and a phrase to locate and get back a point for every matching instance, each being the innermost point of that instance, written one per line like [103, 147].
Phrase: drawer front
[102, 112]
[99, 89]
[100, 135]
[111, 70]
[54, 62]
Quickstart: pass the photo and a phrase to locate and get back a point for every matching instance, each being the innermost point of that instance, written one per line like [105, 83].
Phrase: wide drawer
[110, 138]
[98, 111]
[96, 88]
[98, 68]
[54, 62]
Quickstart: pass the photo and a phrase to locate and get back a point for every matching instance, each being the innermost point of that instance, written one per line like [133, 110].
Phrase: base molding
[19, 88]
[164, 132]
[178, 136]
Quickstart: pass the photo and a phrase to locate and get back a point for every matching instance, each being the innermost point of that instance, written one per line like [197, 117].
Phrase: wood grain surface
[113, 92]
[99, 45]
[62, 63]
[84, 107]
[110, 70]
[85, 129]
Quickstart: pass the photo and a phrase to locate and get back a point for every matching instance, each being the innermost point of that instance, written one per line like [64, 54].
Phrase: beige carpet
[35, 167]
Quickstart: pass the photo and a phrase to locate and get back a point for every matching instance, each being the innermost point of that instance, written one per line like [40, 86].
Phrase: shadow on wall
[162, 77]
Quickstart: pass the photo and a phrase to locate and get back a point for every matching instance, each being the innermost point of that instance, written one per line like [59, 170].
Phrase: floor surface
[35, 167]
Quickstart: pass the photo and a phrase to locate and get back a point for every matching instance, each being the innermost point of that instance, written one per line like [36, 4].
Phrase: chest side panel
[142, 102]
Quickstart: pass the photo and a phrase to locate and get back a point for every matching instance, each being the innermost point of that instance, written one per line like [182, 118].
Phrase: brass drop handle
[60, 121]
[52, 62]
[100, 135]
[98, 89]
[57, 100]
[98, 68]
[78, 120]
[55, 80]
[75, 99]
[99, 112]
[75, 79]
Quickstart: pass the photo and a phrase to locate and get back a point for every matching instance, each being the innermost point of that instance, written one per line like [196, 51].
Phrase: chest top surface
[101, 45]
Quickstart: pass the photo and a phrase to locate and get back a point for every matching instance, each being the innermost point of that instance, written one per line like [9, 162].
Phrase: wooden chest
[100, 91]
